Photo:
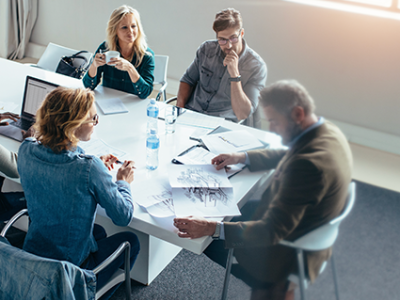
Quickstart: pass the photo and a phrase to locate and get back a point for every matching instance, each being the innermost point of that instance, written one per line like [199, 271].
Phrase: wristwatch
[217, 232]
[235, 79]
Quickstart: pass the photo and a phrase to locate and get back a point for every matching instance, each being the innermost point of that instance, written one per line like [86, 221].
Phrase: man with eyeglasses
[226, 75]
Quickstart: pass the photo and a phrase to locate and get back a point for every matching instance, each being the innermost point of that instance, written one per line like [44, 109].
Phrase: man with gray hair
[226, 76]
[308, 190]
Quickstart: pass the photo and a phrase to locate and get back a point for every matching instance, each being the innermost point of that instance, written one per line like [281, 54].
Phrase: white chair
[160, 74]
[52, 55]
[319, 239]
[119, 275]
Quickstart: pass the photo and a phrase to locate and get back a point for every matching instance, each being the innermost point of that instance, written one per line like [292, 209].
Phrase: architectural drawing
[155, 196]
[163, 201]
[202, 186]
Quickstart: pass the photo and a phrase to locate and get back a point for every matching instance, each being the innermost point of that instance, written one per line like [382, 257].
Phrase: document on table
[7, 107]
[155, 196]
[98, 148]
[201, 190]
[231, 141]
[112, 106]
[199, 132]
[197, 155]
[192, 118]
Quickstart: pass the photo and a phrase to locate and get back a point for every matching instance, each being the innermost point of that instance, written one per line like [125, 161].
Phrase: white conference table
[127, 132]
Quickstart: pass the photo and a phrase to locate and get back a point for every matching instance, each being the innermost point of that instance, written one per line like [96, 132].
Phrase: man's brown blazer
[309, 189]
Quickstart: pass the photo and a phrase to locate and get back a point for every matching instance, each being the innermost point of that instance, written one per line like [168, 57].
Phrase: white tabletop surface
[127, 132]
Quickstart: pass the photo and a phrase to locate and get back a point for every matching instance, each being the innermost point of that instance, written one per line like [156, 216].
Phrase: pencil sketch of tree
[203, 187]
[164, 201]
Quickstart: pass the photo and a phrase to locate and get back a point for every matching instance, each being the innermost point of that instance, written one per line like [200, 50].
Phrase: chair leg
[227, 274]
[302, 276]
[127, 273]
[335, 281]
[165, 95]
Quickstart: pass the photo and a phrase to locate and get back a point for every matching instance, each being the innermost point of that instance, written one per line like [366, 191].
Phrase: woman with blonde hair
[132, 72]
[63, 186]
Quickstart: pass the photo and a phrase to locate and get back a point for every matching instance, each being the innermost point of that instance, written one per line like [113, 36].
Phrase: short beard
[293, 130]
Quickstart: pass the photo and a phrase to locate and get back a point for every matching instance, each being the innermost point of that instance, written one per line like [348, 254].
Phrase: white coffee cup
[111, 54]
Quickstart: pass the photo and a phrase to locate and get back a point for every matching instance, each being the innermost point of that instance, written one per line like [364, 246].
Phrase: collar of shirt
[315, 125]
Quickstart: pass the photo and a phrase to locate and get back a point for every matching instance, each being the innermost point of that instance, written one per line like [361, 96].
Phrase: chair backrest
[160, 70]
[52, 55]
[18, 266]
[323, 237]
[23, 274]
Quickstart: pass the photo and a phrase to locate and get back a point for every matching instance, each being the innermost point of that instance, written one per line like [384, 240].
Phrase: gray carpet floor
[367, 254]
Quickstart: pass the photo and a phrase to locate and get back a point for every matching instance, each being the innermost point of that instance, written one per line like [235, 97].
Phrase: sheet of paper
[197, 176]
[199, 132]
[201, 190]
[191, 118]
[155, 196]
[200, 156]
[7, 107]
[112, 106]
[204, 202]
[231, 141]
[197, 156]
[98, 148]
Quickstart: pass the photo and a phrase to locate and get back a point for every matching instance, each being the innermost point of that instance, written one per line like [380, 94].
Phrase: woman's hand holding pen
[109, 160]
[125, 172]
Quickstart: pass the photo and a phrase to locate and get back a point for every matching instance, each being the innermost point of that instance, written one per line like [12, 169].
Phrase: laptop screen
[35, 92]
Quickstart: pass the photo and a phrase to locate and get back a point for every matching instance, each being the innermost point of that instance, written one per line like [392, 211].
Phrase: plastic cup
[171, 113]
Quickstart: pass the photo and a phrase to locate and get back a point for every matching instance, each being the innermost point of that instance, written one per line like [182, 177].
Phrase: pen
[121, 163]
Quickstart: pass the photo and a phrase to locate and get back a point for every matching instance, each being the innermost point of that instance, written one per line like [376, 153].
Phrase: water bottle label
[152, 112]
[153, 144]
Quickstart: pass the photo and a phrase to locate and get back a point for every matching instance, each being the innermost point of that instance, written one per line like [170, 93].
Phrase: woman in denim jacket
[132, 72]
[63, 186]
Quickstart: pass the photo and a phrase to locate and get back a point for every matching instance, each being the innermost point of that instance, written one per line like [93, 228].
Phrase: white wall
[349, 63]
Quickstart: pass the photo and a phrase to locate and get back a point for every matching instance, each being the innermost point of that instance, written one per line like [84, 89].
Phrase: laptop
[35, 92]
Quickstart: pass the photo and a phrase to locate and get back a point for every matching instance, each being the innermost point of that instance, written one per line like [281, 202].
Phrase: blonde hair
[61, 113]
[139, 45]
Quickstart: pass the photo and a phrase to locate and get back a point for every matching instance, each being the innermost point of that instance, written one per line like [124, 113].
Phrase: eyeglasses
[233, 39]
[94, 121]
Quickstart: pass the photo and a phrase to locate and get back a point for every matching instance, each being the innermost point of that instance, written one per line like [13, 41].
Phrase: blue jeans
[106, 246]
[11, 203]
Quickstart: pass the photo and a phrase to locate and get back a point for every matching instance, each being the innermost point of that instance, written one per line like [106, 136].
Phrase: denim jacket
[30, 277]
[62, 191]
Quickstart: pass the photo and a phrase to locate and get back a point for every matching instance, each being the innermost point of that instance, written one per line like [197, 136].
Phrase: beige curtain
[17, 20]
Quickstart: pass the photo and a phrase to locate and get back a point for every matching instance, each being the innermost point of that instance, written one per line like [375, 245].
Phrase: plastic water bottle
[152, 145]
[152, 116]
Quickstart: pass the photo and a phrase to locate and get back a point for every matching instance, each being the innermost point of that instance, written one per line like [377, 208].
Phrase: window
[383, 3]
[380, 8]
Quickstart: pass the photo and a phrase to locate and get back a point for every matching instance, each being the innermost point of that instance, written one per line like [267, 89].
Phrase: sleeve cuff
[222, 232]
[247, 161]
[123, 183]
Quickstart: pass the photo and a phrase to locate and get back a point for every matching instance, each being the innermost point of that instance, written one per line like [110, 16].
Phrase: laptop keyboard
[21, 123]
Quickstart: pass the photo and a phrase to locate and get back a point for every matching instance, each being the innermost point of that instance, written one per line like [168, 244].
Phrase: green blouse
[120, 80]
